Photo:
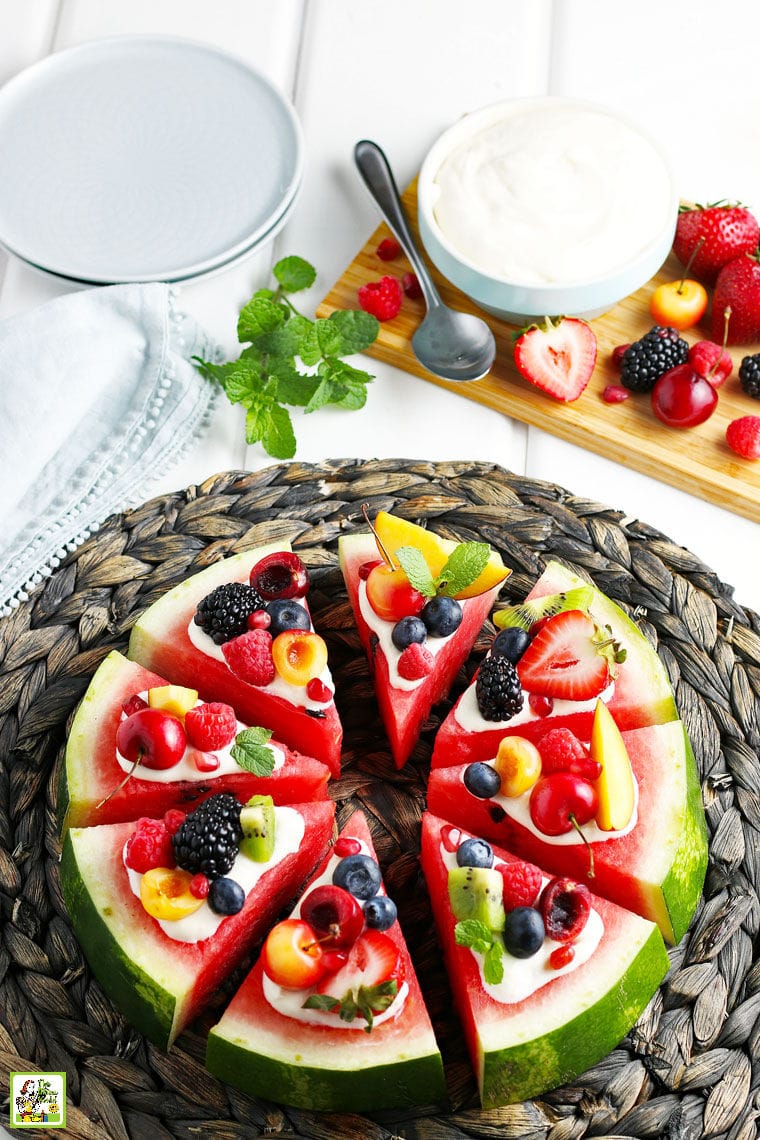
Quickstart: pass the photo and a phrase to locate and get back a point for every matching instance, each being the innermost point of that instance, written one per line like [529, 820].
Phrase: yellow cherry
[165, 893]
[679, 304]
[518, 762]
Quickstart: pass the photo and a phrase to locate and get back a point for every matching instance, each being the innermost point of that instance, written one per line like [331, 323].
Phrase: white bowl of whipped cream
[546, 206]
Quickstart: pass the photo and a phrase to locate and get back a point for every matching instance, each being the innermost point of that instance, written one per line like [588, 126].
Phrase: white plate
[143, 158]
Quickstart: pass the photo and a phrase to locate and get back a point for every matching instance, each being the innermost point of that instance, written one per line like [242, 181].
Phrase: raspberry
[559, 749]
[149, 846]
[210, 726]
[522, 883]
[415, 662]
[134, 704]
[388, 250]
[381, 298]
[743, 436]
[318, 691]
[173, 820]
[411, 286]
[749, 375]
[250, 657]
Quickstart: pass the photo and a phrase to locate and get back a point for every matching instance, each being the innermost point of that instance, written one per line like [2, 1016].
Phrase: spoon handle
[378, 178]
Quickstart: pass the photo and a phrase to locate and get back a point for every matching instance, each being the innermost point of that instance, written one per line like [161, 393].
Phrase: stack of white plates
[144, 158]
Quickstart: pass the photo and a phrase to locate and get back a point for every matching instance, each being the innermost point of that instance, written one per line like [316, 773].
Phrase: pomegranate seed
[411, 286]
[561, 956]
[618, 353]
[451, 837]
[388, 249]
[318, 691]
[345, 845]
[173, 820]
[134, 704]
[615, 394]
[199, 886]
[259, 619]
[205, 761]
[540, 704]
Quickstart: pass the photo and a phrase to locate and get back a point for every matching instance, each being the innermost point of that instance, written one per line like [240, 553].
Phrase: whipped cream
[469, 717]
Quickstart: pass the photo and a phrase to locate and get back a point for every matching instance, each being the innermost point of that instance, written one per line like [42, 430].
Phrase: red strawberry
[570, 658]
[562, 751]
[737, 288]
[522, 883]
[558, 358]
[373, 958]
[209, 726]
[743, 436]
[725, 231]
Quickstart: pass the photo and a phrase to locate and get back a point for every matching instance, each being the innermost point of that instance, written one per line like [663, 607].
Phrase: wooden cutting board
[697, 460]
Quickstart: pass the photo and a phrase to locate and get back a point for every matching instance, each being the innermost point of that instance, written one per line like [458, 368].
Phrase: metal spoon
[450, 344]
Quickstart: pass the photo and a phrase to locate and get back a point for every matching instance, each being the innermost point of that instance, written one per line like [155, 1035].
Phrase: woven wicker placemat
[687, 1070]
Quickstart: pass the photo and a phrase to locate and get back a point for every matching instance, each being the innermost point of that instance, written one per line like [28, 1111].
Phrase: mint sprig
[466, 562]
[475, 935]
[252, 753]
[291, 360]
[364, 1001]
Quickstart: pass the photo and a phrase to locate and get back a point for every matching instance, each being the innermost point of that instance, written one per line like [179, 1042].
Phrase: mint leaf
[493, 963]
[259, 316]
[348, 384]
[417, 570]
[278, 436]
[292, 386]
[357, 329]
[321, 1001]
[473, 934]
[294, 274]
[466, 562]
[250, 751]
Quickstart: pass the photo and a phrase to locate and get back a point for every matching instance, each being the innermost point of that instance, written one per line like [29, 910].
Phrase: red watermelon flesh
[656, 869]
[91, 770]
[520, 1049]
[160, 983]
[641, 695]
[160, 642]
[404, 712]
[334, 1066]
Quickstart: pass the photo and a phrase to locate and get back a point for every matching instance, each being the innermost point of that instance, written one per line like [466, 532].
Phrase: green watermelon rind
[519, 1072]
[682, 886]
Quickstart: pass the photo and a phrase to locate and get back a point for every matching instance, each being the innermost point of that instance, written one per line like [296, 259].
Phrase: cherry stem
[118, 787]
[386, 556]
[333, 933]
[726, 319]
[589, 848]
[693, 254]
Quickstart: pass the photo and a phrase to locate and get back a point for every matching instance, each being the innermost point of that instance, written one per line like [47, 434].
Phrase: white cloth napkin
[98, 397]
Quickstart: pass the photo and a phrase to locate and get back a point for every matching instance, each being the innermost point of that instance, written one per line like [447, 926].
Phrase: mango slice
[615, 785]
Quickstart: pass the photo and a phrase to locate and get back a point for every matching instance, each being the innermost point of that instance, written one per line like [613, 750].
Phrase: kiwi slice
[476, 892]
[257, 823]
[524, 614]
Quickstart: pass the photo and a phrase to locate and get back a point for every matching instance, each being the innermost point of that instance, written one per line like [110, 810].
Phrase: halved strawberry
[557, 357]
[373, 959]
[570, 658]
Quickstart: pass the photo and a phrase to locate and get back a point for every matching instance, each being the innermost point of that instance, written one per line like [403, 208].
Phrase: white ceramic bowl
[546, 207]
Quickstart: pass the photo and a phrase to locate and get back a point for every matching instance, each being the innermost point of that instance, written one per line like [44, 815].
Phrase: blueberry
[286, 614]
[359, 875]
[380, 912]
[474, 853]
[511, 643]
[523, 932]
[482, 780]
[407, 631]
[442, 616]
[225, 896]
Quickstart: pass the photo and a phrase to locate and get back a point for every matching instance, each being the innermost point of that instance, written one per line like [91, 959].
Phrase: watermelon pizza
[179, 750]
[240, 632]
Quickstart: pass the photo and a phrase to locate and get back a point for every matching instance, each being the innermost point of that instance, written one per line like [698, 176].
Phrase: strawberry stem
[588, 846]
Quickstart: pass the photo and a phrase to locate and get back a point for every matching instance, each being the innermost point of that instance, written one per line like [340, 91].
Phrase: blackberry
[498, 689]
[223, 614]
[647, 358]
[208, 840]
[749, 375]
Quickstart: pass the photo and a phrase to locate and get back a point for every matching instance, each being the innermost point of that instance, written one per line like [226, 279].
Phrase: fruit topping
[151, 737]
[743, 436]
[299, 655]
[334, 914]
[451, 837]
[561, 750]
[209, 838]
[408, 631]
[565, 906]
[415, 662]
[737, 288]
[540, 705]
[711, 361]
[366, 568]
[388, 249]
[359, 875]
[223, 613]
[173, 819]
[257, 822]
[558, 357]
[204, 761]
[367, 983]
[174, 699]
[476, 893]
[284, 614]
[411, 286]
[749, 375]
[561, 802]
[521, 884]
[391, 594]
[380, 912]
[259, 619]
[249, 656]
[647, 358]
[681, 398]
[442, 616]
[570, 658]
[209, 726]
[561, 956]
[317, 691]
[526, 615]
[615, 785]
[280, 575]
[711, 236]
[615, 393]
[199, 886]
[680, 304]
[381, 298]
[482, 780]
[149, 846]
[498, 690]
[292, 955]
[225, 896]
[510, 643]
[518, 764]
[523, 932]
[166, 896]
[134, 704]
[474, 852]
[346, 845]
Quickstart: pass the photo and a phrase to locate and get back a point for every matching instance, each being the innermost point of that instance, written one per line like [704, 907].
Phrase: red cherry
[560, 801]
[682, 398]
[154, 737]
[391, 594]
[565, 906]
[367, 567]
[335, 916]
[281, 574]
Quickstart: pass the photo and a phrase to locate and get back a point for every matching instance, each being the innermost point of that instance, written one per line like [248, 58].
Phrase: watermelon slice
[91, 770]
[159, 983]
[544, 1025]
[160, 641]
[640, 694]
[329, 1065]
[405, 705]
[656, 869]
